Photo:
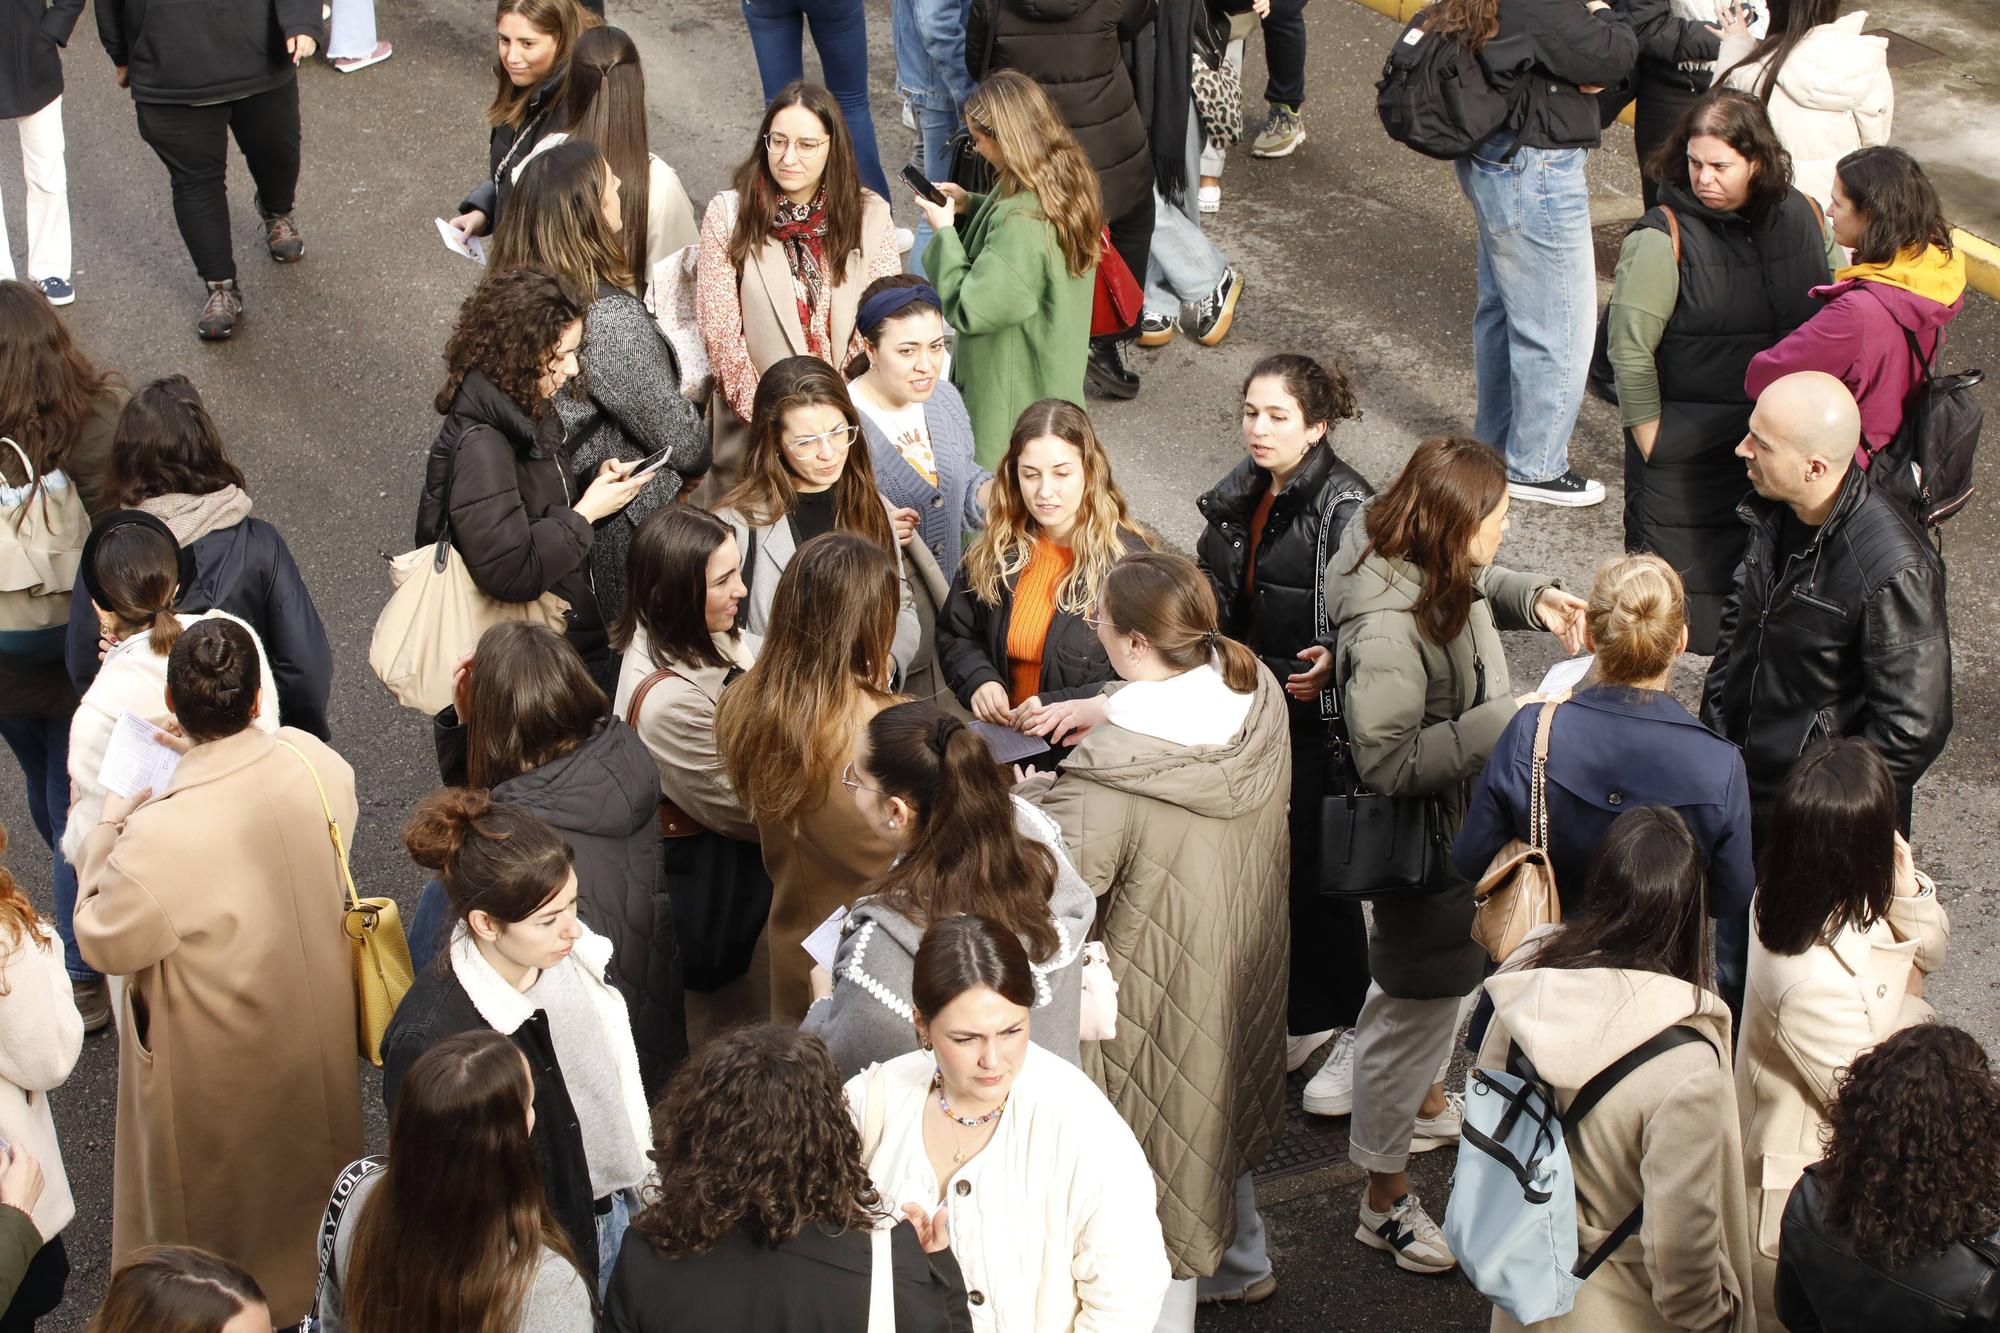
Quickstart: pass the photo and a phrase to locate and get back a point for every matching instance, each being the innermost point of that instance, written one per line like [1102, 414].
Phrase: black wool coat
[31, 41]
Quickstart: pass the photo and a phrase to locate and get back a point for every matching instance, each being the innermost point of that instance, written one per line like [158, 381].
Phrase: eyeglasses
[1100, 624]
[852, 783]
[840, 437]
[777, 144]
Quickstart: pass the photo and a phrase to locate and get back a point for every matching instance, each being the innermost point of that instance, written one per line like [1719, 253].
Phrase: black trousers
[41, 1289]
[1132, 238]
[1329, 935]
[193, 142]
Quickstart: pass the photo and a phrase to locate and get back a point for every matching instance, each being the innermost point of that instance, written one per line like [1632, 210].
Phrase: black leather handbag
[1372, 845]
[964, 165]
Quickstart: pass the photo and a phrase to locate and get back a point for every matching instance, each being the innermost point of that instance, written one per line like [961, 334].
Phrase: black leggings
[1132, 238]
[193, 142]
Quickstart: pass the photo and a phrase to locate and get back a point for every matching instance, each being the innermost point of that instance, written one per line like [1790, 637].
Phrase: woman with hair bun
[1636, 623]
[522, 964]
[928, 786]
[236, 1054]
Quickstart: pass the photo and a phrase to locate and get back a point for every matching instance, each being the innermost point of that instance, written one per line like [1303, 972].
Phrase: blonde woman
[1014, 637]
[1016, 278]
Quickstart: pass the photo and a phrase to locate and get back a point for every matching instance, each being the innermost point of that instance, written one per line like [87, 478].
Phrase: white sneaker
[1571, 490]
[1298, 1050]
[1442, 1129]
[1208, 198]
[1331, 1090]
[1407, 1232]
[905, 238]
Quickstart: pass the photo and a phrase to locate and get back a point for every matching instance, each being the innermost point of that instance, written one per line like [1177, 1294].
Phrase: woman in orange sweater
[1013, 638]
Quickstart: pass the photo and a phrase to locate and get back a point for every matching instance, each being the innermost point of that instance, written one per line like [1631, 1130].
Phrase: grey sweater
[868, 1018]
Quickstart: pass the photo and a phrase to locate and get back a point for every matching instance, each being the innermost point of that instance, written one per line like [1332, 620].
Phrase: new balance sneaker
[1158, 331]
[224, 308]
[1207, 321]
[281, 236]
[1283, 132]
[1298, 1050]
[1569, 491]
[1444, 1128]
[1407, 1232]
[57, 290]
[1331, 1090]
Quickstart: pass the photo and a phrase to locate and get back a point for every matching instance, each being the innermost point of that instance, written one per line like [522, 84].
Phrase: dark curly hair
[1913, 1147]
[508, 330]
[1324, 393]
[754, 1132]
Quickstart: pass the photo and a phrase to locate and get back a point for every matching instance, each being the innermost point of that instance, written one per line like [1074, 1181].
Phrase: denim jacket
[930, 53]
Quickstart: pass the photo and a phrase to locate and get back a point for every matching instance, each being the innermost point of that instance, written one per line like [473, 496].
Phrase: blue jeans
[42, 746]
[1537, 312]
[1183, 266]
[935, 126]
[351, 32]
[840, 35]
[611, 1229]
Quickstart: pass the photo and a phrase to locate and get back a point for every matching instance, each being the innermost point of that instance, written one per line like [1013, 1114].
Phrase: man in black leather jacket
[1836, 626]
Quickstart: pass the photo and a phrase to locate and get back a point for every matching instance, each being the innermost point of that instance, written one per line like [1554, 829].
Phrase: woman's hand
[933, 1232]
[1314, 678]
[1907, 882]
[468, 225]
[904, 521]
[959, 196]
[1561, 614]
[938, 215]
[1735, 19]
[301, 48]
[1644, 435]
[21, 1180]
[989, 704]
[611, 490]
[117, 809]
[822, 982]
[1063, 723]
[105, 643]
[1261, 8]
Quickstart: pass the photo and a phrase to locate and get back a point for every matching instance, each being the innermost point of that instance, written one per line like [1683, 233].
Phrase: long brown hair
[786, 727]
[1007, 542]
[175, 1289]
[1645, 903]
[769, 490]
[962, 953]
[1827, 860]
[606, 101]
[138, 569]
[491, 856]
[533, 701]
[666, 587]
[563, 20]
[1429, 516]
[966, 855]
[508, 330]
[165, 443]
[453, 1234]
[555, 222]
[1791, 20]
[1165, 598]
[840, 184]
[47, 384]
[753, 1132]
[1472, 23]
[19, 921]
[1038, 153]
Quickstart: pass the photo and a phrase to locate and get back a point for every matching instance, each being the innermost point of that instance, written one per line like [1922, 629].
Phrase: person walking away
[1906, 282]
[840, 39]
[1825, 82]
[1846, 931]
[31, 87]
[1532, 328]
[351, 44]
[1284, 24]
[1787, 672]
[1719, 271]
[236, 1041]
[1234, 21]
[194, 86]
[1270, 523]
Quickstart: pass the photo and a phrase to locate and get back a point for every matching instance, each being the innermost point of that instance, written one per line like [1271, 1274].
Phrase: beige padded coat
[1187, 850]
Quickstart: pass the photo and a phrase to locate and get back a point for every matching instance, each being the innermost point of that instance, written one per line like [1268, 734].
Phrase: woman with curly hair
[1899, 1225]
[1013, 637]
[763, 1216]
[497, 474]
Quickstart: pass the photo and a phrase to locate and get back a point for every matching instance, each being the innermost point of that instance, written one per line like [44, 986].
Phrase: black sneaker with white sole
[1569, 491]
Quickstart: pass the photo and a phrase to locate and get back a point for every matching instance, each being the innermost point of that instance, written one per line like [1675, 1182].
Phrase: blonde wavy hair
[1002, 549]
[1636, 616]
[1038, 153]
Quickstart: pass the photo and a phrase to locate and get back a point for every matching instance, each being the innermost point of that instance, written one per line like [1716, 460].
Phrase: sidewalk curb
[1982, 257]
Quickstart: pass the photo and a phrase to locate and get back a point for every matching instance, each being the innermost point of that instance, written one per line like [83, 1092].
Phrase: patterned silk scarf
[801, 229]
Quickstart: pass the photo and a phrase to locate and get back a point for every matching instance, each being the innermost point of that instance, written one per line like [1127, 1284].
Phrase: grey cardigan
[867, 1019]
[949, 509]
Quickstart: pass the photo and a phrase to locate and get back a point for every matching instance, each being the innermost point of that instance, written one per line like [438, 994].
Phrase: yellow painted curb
[1982, 261]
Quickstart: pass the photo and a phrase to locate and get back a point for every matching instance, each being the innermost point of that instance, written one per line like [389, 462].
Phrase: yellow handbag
[382, 970]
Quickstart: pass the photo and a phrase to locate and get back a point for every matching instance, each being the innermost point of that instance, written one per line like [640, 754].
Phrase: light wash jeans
[611, 1228]
[930, 72]
[351, 32]
[1537, 312]
[1183, 265]
[935, 126]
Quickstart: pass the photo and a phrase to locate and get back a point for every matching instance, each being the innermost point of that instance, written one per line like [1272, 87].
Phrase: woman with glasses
[805, 476]
[784, 256]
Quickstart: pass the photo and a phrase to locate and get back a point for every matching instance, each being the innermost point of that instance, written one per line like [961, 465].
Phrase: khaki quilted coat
[1186, 848]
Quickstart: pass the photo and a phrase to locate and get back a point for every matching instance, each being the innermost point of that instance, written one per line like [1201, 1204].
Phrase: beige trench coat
[239, 1090]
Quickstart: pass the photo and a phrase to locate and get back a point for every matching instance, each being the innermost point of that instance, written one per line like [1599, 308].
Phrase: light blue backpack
[1511, 1221]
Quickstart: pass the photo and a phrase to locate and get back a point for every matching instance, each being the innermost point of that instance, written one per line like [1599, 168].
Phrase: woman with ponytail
[1173, 805]
[927, 784]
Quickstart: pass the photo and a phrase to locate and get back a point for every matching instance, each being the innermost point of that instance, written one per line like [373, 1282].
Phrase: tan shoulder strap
[1538, 797]
[642, 689]
[1673, 232]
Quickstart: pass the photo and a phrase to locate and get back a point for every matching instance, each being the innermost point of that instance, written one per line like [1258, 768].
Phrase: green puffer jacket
[1422, 718]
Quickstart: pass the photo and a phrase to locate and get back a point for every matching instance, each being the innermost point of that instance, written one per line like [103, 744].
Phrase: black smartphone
[915, 180]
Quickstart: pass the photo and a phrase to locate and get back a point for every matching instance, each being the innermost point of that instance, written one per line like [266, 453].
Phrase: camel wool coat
[239, 1091]
[1805, 1019]
[1187, 850]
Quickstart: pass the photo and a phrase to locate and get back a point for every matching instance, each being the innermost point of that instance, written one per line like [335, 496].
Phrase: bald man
[1836, 625]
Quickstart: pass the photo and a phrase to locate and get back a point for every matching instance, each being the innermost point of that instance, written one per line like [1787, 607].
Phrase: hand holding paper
[825, 939]
[469, 246]
[138, 758]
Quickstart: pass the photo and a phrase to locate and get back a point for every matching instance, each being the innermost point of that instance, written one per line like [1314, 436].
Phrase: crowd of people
[873, 881]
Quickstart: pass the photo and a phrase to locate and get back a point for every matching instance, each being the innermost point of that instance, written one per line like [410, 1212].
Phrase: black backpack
[1443, 99]
[1928, 466]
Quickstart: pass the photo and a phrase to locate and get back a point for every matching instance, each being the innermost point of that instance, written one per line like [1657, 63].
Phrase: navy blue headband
[884, 304]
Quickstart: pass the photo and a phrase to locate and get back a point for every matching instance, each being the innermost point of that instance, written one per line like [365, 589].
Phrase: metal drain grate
[1307, 1142]
[1904, 50]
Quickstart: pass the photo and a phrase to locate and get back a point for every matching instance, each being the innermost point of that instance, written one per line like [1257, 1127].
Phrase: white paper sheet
[469, 246]
[826, 938]
[1565, 675]
[136, 759]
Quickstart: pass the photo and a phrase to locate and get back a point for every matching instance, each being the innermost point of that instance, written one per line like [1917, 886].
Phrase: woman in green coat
[1016, 267]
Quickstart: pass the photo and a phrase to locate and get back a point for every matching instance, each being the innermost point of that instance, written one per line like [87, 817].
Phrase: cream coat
[1052, 1223]
[1661, 1135]
[1805, 1018]
[239, 1092]
[678, 726]
[41, 1034]
[1832, 96]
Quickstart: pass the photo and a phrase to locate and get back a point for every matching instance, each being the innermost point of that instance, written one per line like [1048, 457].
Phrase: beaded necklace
[973, 1122]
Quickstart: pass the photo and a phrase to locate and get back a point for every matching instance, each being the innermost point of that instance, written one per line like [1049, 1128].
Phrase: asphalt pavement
[1353, 248]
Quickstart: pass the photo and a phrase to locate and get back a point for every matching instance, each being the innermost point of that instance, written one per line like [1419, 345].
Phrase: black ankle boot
[1106, 373]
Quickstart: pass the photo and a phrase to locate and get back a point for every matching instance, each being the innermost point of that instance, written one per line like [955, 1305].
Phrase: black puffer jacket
[195, 52]
[32, 37]
[604, 798]
[1848, 639]
[1288, 609]
[512, 516]
[1573, 46]
[1074, 50]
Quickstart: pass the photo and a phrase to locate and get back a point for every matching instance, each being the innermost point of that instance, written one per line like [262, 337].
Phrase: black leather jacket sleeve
[1712, 684]
[1906, 665]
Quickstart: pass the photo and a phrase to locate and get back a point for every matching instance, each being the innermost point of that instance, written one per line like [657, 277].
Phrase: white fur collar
[503, 1007]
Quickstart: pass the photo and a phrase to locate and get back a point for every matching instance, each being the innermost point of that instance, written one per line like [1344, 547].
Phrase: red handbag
[1118, 301]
